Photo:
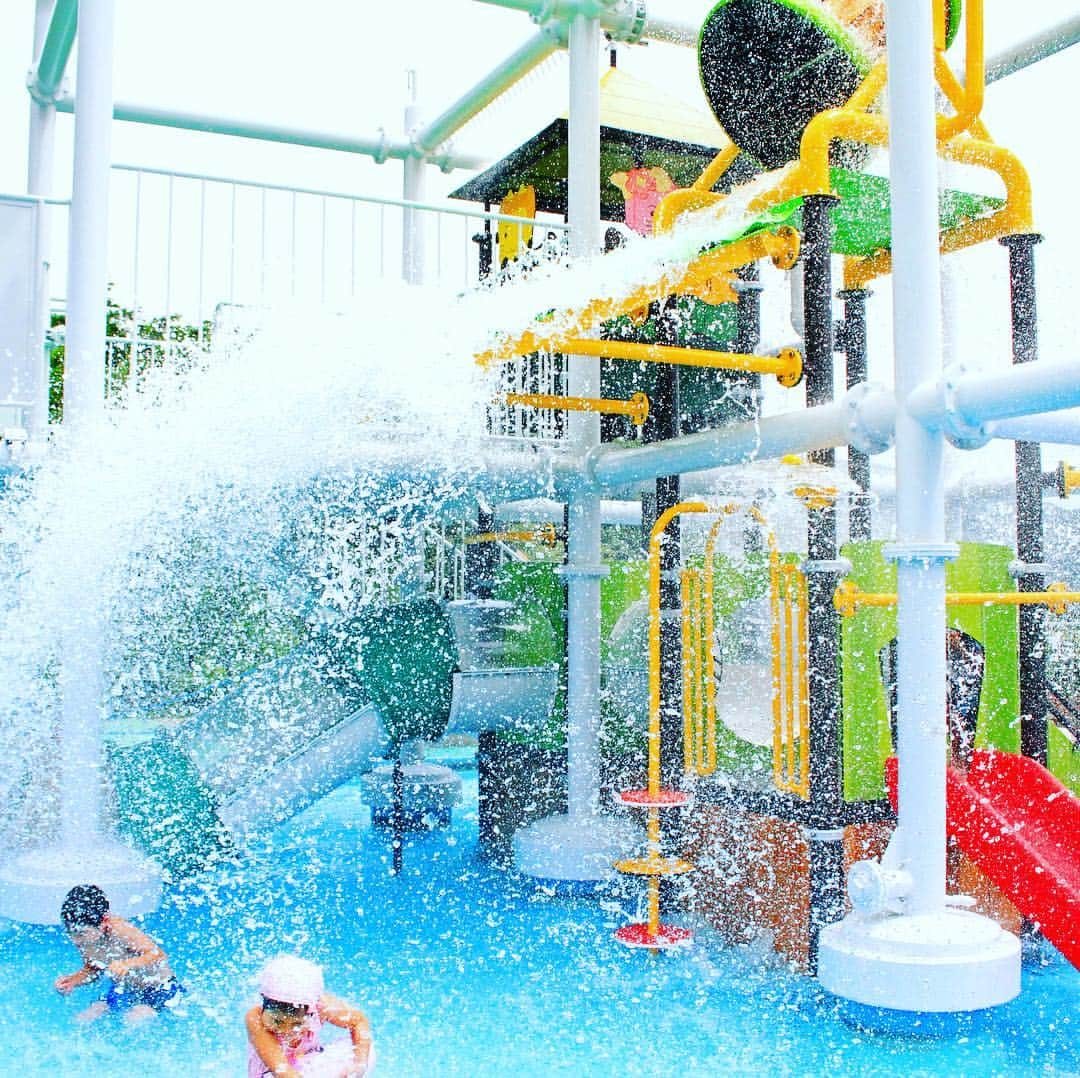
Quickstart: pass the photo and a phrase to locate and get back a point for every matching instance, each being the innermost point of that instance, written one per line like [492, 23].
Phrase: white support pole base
[33, 885]
[943, 961]
[574, 849]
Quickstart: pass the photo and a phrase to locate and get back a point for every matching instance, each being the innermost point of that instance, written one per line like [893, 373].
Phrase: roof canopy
[640, 127]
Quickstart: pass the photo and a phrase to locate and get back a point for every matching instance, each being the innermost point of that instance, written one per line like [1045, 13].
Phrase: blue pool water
[466, 971]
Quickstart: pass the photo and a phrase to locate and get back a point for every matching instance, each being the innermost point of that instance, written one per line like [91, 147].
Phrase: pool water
[464, 970]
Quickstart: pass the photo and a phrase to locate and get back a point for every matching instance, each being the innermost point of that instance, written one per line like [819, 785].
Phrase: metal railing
[186, 242]
[185, 245]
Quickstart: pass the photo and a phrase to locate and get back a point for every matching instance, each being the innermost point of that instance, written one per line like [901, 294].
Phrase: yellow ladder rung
[654, 866]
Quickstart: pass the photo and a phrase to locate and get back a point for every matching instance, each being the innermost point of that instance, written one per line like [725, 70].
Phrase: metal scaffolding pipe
[1033, 49]
[962, 403]
[1062, 427]
[45, 80]
[379, 147]
[515, 67]
[624, 21]
[865, 418]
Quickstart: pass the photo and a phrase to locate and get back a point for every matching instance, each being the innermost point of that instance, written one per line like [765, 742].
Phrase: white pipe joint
[873, 888]
[935, 405]
[961, 404]
[871, 418]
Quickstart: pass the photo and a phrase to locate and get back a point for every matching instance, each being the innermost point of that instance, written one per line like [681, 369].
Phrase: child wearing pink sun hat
[284, 1030]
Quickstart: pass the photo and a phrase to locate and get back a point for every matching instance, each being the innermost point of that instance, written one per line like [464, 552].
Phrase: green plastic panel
[537, 594]
[861, 220]
[867, 740]
[409, 658]
[163, 806]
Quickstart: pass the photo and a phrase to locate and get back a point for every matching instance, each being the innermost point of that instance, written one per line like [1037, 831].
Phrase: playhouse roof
[640, 126]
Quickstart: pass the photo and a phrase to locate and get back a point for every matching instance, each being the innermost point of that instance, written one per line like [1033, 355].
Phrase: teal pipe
[55, 50]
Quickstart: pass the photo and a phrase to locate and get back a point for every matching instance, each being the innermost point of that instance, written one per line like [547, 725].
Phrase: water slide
[287, 735]
[1020, 826]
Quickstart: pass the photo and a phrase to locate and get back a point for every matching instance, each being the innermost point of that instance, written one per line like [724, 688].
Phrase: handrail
[349, 196]
[786, 365]
[1063, 713]
[637, 407]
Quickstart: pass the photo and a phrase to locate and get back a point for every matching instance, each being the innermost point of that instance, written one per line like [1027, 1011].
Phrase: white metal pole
[39, 181]
[920, 550]
[412, 240]
[584, 567]
[84, 388]
[84, 375]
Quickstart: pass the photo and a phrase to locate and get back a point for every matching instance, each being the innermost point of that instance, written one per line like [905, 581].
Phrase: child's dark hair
[84, 906]
[277, 1008]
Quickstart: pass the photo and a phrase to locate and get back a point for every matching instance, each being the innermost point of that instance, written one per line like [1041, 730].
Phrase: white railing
[445, 560]
[183, 243]
[183, 246]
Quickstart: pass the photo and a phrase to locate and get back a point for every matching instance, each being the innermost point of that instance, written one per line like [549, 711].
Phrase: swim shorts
[156, 996]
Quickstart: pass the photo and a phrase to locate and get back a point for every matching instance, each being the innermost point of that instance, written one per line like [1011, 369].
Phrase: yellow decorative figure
[642, 188]
[512, 237]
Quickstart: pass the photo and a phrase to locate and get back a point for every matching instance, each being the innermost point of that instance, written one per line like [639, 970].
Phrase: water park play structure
[843, 823]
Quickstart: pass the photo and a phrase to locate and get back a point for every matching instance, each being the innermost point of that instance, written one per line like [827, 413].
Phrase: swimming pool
[466, 971]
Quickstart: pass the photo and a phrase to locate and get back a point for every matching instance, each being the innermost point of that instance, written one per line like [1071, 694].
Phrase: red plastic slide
[1022, 828]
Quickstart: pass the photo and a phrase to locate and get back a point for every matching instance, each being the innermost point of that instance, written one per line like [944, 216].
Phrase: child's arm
[147, 952]
[267, 1047]
[68, 982]
[339, 1013]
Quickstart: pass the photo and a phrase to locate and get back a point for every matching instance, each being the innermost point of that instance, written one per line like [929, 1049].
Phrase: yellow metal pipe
[1070, 479]
[544, 534]
[797, 683]
[655, 539]
[698, 687]
[715, 169]
[688, 711]
[848, 598]
[1014, 217]
[804, 682]
[967, 111]
[637, 407]
[786, 365]
[870, 88]
[682, 200]
[698, 278]
[775, 584]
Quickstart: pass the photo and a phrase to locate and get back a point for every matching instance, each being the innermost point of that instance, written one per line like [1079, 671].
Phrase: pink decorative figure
[642, 188]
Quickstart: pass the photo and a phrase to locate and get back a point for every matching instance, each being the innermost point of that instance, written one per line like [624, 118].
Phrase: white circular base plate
[581, 848]
[942, 961]
[33, 885]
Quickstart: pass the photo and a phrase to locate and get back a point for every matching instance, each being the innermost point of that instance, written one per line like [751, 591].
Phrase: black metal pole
[666, 411]
[825, 843]
[1029, 509]
[481, 559]
[854, 348]
[399, 816]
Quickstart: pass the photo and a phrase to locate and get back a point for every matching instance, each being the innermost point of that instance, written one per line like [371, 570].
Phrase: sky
[340, 65]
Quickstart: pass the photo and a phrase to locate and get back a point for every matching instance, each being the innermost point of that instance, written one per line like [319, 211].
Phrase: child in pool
[283, 1030]
[141, 982]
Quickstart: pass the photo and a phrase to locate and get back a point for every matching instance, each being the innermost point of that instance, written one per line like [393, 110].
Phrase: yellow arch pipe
[709, 627]
[970, 103]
